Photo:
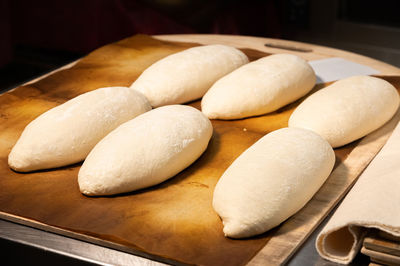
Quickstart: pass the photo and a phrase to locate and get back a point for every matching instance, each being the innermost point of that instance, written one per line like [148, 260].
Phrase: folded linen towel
[373, 202]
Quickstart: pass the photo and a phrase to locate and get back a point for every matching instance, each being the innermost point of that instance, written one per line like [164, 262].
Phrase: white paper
[336, 68]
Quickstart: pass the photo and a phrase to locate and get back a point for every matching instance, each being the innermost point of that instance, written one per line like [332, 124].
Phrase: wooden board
[381, 257]
[306, 50]
[174, 221]
[382, 242]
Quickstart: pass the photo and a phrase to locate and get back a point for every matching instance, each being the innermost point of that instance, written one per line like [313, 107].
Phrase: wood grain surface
[380, 241]
[174, 221]
[381, 257]
[306, 50]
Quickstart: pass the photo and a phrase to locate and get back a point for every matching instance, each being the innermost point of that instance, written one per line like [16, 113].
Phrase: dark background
[38, 36]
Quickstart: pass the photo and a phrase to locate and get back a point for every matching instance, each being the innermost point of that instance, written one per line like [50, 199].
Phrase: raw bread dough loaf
[271, 181]
[187, 75]
[259, 87]
[348, 109]
[66, 134]
[145, 151]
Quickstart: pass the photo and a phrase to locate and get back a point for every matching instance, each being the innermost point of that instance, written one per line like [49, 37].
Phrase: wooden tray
[382, 247]
[172, 222]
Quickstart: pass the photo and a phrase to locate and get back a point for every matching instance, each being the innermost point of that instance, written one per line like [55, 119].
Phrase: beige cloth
[373, 202]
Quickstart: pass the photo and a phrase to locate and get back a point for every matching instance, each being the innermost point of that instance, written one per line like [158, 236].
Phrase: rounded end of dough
[93, 182]
[87, 192]
[235, 230]
[207, 109]
[88, 185]
[18, 162]
[14, 163]
[238, 230]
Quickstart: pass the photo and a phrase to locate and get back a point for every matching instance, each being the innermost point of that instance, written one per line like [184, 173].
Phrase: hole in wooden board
[289, 47]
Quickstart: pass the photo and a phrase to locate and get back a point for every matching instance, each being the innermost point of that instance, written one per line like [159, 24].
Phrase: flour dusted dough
[187, 75]
[348, 109]
[66, 134]
[271, 181]
[145, 151]
[259, 87]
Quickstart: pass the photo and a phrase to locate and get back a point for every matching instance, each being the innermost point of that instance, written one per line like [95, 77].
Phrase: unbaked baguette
[187, 75]
[65, 134]
[145, 151]
[259, 87]
[348, 109]
[271, 181]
